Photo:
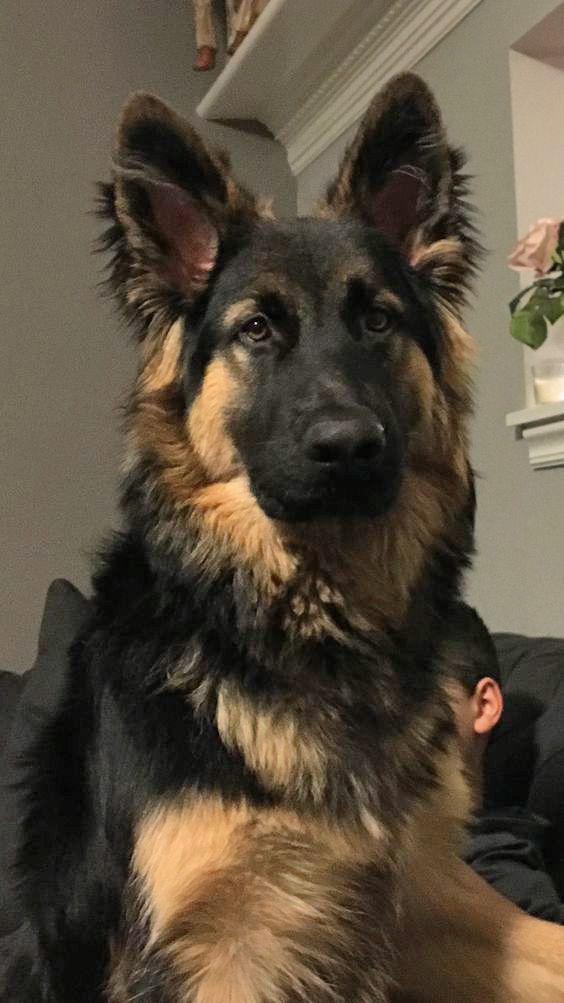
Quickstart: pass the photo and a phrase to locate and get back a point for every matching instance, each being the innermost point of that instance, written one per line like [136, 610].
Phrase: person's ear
[488, 705]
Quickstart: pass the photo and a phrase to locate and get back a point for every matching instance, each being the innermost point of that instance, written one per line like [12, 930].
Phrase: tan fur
[200, 470]
[238, 312]
[310, 599]
[457, 373]
[415, 373]
[163, 364]
[280, 750]
[388, 298]
[265, 207]
[391, 552]
[236, 529]
[459, 359]
[461, 940]
[440, 253]
[231, 525]
[212, 445]
[437, 824]
[321, 209]
[425, 505]
[362, 268]
[245, 904]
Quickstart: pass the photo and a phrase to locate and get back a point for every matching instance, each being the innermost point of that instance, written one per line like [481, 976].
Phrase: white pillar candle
[548, 379]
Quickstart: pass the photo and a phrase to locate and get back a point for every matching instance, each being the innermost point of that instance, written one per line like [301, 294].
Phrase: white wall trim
[546, 445]
[403, 36]
[542, 428]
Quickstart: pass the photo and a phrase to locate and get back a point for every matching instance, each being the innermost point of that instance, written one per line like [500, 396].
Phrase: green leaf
[538, 298]
[547, 302]
[538, 293]
[551, 283]
[529, 327]
[517, 299]
[553, 308]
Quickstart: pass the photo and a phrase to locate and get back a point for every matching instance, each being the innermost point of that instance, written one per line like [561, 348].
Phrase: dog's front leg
[463, 941]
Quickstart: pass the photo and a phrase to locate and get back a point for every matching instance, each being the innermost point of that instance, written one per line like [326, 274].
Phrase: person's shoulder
[517, 821]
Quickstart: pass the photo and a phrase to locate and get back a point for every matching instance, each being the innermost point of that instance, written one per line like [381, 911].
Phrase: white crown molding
[403, 36]
[308, 68]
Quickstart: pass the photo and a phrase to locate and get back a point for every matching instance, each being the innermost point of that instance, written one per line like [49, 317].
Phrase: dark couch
[525, 757]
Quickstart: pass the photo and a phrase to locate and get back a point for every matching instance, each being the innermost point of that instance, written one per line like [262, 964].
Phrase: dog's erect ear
[396, 173]
[400, 176]
[172, 201]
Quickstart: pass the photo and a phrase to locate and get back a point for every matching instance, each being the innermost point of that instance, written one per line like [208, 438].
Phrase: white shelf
[542, 428]
[308, 68]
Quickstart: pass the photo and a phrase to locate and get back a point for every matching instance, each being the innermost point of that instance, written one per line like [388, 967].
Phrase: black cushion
[525, 757]
[64, 614]
[10, 689]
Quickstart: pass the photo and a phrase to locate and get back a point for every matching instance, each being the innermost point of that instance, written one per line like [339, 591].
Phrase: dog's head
[292, 371]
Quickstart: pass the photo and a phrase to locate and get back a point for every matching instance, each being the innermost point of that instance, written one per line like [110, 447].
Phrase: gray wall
[518, 580]
[65, 69]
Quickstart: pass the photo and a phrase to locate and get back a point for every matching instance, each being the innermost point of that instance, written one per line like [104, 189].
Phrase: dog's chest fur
[270, 875]
[253, 905]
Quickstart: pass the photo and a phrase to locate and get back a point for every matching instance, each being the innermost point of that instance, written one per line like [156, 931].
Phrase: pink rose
[535, 250]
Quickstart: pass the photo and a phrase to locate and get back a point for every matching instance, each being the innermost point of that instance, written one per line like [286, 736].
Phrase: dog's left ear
[400, 176]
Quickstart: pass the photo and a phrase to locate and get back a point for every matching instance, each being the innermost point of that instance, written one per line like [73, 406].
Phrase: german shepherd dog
[256, 763]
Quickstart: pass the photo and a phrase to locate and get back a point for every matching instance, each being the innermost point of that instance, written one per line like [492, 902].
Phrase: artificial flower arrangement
[541, 303]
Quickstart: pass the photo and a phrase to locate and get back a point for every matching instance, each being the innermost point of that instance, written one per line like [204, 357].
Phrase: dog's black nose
[354, 443]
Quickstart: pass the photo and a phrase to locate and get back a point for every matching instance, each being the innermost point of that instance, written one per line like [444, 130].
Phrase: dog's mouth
[342, 467]
[294, 502]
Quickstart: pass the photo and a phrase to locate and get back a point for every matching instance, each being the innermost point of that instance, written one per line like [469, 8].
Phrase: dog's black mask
[312, 320]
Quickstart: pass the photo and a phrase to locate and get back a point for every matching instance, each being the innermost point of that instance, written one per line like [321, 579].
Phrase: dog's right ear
[400, 176]
[172, 201]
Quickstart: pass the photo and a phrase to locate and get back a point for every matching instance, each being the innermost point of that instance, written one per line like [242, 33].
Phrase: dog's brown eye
[377, 320]
[256, 329]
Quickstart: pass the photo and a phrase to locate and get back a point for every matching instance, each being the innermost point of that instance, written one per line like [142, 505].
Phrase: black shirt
[506, 848]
